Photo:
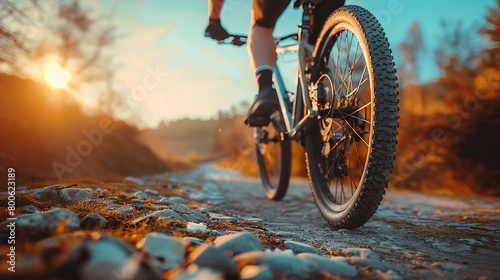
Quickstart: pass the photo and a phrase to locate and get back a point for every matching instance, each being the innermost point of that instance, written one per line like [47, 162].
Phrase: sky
[168, 70]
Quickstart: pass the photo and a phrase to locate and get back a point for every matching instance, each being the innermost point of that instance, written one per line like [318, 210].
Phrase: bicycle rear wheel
[273, 158]
[350, 148]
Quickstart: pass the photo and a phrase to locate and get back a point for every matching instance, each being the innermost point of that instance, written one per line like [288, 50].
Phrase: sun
[56, 76]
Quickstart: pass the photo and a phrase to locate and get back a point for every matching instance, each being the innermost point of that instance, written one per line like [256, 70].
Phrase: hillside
[45, 136]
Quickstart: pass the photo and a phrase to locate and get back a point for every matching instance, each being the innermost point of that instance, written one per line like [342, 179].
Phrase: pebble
[256, 272]
[93, 221]
[238, 243]
[151, 192]
[120, 208]
[30, 208]
[335, 266]
[138, 181]
[196, 227]
[142, 195]
[47, 193]
[165, 215]
[282, 266]
[298, 247]
[171, 200]
[76, 195]
[167, 251]
[361, 253]
[220, 217]
[210, 256]
[43, 224]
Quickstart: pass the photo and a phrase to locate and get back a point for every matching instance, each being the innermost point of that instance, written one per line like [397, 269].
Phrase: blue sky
[198, 77]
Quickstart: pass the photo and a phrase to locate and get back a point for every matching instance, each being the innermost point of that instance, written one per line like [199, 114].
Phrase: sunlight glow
[56, 76]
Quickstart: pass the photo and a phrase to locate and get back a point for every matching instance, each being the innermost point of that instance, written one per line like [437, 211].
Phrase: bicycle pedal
[256, 122]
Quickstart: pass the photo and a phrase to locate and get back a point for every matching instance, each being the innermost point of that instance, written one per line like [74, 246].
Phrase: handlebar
[240, 40]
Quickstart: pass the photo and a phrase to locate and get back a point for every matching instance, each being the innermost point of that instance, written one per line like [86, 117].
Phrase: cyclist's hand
[215, 30]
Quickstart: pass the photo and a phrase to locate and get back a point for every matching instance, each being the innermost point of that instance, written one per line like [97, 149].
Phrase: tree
[412, 48]
[67, 33]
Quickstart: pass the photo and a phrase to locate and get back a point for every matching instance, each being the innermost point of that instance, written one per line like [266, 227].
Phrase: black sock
[264, 78]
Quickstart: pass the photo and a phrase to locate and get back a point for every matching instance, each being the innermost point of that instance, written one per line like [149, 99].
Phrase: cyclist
[262, 49]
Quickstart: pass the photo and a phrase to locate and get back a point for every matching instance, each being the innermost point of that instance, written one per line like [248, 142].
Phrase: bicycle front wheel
[273, 158]
[350, 147]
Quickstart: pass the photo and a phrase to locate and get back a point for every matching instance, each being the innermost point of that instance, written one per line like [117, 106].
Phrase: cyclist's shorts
[267, 12]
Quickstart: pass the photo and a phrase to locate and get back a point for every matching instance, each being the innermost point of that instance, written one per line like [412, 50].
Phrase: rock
[188, 213]
[361, 253]
[210, 256]
[298, 247]
[282, 266]
[151, 192]
[181, 208]
[138, 181]
[165, 215]
[333, 266]
[194, 272]
[141, 195]
[171, 200]
[47, 193]
[42, 224]
[196, 227]
[95, 256]
[120, 208]
[193, 240]
[93, 221]
[220, 217]
[167, 251]
[137, 203]
[75, 195]
[256, 272]
[30, 208]
[238, 243]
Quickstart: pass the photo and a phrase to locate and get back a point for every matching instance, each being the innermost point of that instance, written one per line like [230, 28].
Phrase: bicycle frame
[296, 120]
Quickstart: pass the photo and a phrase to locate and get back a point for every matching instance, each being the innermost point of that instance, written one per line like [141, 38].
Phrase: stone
[171, 200]
[167, 251]
[181, 208]
[93, 221]
[194, 272]
[42, 224]
[238, 243]
[120, 208]
[298, 247]
[138, 181]
[196, 227]
[141, 195]
[75, 194]
[30, 208]
[256, 272]
[151, 192]
[47, 193]
[282, 266]
[333, 266]
[164, 215]
[193, 240]
[361, 253]
[210, 256]
[220, 217]
[96, 256]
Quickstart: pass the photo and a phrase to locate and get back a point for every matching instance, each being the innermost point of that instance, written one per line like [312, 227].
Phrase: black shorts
[267, 12]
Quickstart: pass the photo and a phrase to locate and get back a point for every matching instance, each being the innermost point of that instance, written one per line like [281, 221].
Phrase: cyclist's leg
[262, 50]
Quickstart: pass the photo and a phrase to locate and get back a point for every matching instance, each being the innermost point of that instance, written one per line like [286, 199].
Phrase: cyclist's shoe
[264, 105]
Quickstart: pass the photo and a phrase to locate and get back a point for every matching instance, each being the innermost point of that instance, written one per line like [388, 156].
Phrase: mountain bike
[344, 112]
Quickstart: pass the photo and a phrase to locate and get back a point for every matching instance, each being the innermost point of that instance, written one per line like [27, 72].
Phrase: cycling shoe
[264, 105]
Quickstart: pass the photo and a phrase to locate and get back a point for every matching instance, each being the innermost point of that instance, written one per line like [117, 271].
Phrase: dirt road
[413, 235]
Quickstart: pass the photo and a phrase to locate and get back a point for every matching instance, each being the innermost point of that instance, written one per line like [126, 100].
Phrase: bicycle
[344, 113]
